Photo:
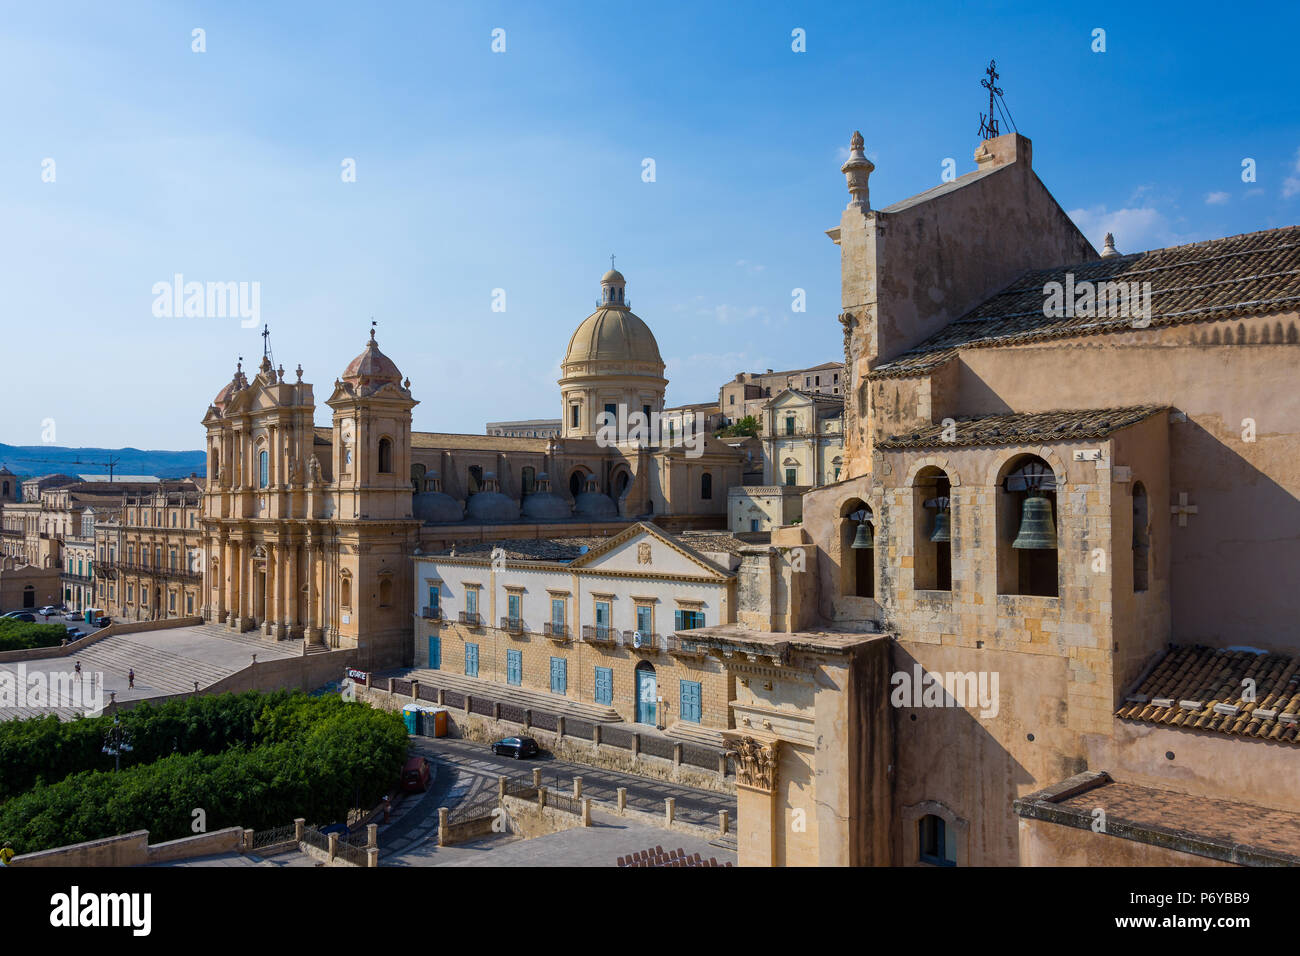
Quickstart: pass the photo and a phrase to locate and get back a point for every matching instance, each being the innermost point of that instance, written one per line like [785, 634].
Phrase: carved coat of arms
[643, 553]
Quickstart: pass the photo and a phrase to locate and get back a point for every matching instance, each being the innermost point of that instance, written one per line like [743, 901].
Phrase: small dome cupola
[613, 290]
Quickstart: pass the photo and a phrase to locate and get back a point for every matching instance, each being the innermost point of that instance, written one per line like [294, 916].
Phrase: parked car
[75, 633]
[49, 610]
[415, 775]
[27, 616]
[517, 747]
[103, 621]
[72, 616]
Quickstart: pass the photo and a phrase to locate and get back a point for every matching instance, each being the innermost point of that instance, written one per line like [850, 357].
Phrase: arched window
[417, 477]
[263, 469]
[857, 549]
[385, 456]
[706, 486]
[1027, 520]
[937, 841]
[576, 481]
[1141, 537]
[931, 531]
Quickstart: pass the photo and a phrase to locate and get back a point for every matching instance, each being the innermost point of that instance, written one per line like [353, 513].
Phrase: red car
[415, 775]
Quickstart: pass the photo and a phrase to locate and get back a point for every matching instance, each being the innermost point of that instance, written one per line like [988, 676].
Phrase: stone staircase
[510, 694]
[255, 639]
[690, 733]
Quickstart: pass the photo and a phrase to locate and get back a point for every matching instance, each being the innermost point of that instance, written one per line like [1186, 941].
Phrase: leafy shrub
[25, 636]
[252, 760]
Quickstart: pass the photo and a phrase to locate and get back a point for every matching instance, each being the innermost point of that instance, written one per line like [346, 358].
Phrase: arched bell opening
[932, 530]
[1028, 545]
[857, 539]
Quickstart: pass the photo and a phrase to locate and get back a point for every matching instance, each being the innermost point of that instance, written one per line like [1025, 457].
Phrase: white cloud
[1291, 185]
[1136, 228]
[1216, 199]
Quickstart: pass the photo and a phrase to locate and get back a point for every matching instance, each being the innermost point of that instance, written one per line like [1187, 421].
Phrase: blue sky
[522, 171]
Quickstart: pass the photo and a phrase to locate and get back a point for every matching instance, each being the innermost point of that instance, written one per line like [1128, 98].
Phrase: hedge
[25, 636]
[251, 760]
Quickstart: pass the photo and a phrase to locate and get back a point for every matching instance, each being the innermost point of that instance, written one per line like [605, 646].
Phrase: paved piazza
[165, 662]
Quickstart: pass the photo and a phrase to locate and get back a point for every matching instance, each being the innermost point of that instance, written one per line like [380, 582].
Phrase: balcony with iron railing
[557, 632]
[431, 613]
[469, 619]
[679, 646]
[599, 634]
[642, 641]
[115, 568]
[512, 625]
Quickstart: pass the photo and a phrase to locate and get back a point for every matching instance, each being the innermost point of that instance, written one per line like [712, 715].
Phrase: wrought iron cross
[266, 344]
[989, 124]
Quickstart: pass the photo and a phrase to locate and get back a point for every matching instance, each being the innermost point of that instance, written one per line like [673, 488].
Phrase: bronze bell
[1037, 530]
[942, 528]
[862, 540]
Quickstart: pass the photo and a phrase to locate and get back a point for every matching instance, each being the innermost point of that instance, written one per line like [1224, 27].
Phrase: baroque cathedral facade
[309, 530]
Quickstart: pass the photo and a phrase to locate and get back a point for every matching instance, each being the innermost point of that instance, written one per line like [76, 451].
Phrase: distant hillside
[28, 460]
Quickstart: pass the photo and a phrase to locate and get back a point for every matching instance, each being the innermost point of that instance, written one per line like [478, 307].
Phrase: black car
[516, 747]
[22, 616]
[103, 621]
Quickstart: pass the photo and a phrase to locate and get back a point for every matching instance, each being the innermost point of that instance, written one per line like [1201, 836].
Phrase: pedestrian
[130, 678]
[78, 668]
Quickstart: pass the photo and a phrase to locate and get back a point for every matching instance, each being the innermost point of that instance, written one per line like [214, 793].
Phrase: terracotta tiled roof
[1201, 688]
[1257, 273]
[1025, 428]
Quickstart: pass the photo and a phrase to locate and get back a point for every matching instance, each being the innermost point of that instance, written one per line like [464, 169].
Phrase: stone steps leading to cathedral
[696, 734]
[509, 693]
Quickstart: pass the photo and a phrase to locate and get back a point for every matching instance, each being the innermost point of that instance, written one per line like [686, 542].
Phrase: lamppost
[117, 742]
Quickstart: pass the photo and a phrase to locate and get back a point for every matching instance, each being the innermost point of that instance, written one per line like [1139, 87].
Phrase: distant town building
[531, 428]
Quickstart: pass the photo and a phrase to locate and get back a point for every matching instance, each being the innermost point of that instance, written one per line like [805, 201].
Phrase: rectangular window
[685, 620]
[471, 601]
[644, 618]
[514, 667]
[130, 593]
[789, 425]
[645, 410]
[611, 414]
[604, 693]
[557, 612]
[514, 606]
[789, 476]
[731, 399]
[836, 378]
[189, 604]
[602, 619]
[434, 595]
[573, 416]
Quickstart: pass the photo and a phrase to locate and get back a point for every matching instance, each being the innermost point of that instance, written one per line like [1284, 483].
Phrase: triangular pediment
[645, 549]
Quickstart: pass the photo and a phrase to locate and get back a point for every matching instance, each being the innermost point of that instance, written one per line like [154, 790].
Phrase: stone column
[234, 572]
[312, 634]
[271, 592]
[757, 815]
[291, 591]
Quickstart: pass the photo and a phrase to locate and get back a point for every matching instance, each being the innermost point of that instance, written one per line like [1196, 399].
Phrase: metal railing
[265, 838]
[470, 619]
[684, 647]
[639, 641]
[431, 613]
[599, 634]
[556, 632]
[525, 791]
[480, 809]
[356, 855]
[512, 625]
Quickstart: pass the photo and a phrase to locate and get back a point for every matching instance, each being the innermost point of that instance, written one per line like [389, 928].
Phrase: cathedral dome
[236, 384]
[436, 507]
[372, 367]
[614, 333]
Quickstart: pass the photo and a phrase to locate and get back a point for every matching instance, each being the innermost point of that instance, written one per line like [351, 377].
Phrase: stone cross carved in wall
[755, 763]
